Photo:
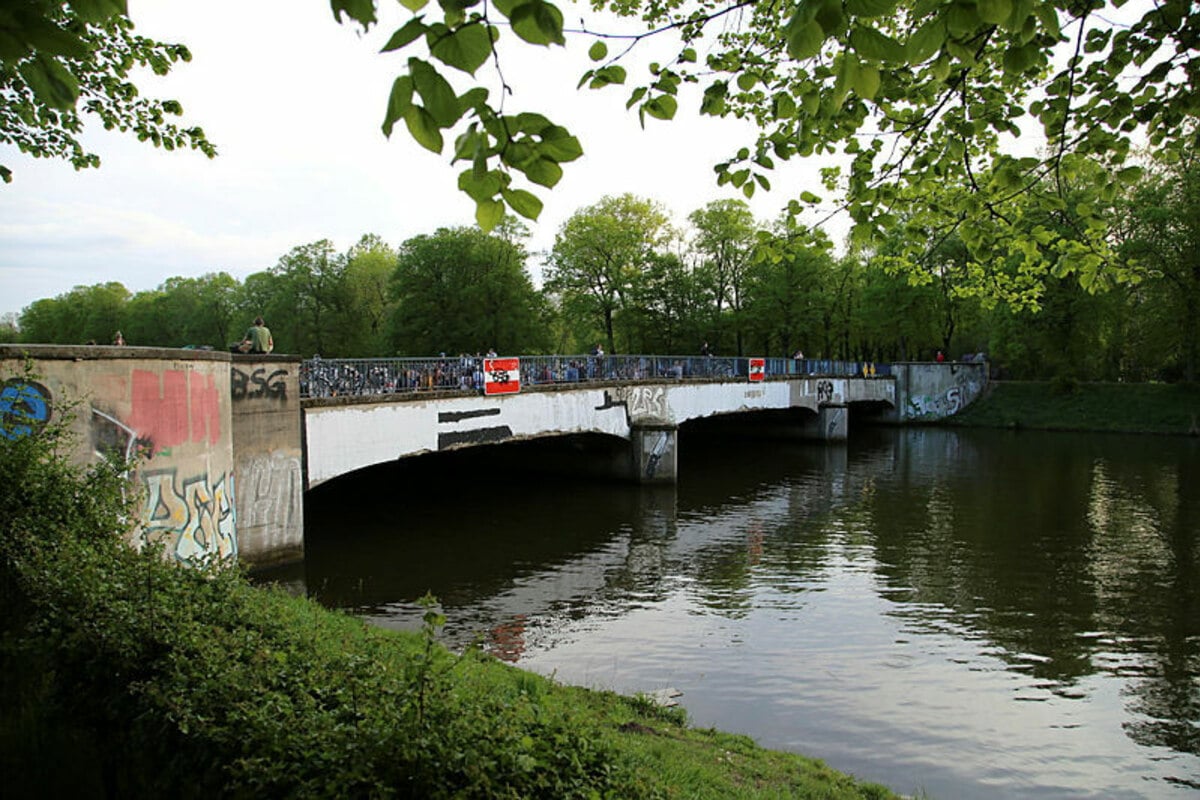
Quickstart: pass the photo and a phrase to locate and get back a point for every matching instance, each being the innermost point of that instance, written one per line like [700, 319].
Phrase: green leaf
[98, 10]
[1018, 60]
[543, 172]
[537, 22]
[994, 12]
[404, 35]
[871, 44]
[559, 145]
[687, 55]
[865, 81]
[841, 84]
[469, 144]
[941, 68]
[926, 41]
[804, 40]
[613, 73]
[440, 100]
[45, 36]
[962, 19]
[465, 49]
[783, 106]
[1130, 175]
[870, 8]
[361, 11]
[713, 103]
[424, 128]
[662, 107]
[473, 98]
[480, 187]
[809, 197]
[747, 81]
[522, 202]
[414, 5]
[598, 51]
[51, 82]
[831, 18]
[488, 214]
[1021, 11]
[399, 102]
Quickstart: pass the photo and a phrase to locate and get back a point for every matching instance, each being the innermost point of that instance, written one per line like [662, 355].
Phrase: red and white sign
[501, 375]
[758, 369]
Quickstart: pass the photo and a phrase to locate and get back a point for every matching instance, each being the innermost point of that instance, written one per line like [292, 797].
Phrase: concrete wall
[928, 392]
[346, 434]
[169, 406]
[268, 458]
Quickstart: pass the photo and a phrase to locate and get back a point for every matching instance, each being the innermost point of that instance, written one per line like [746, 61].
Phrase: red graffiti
[175, 407]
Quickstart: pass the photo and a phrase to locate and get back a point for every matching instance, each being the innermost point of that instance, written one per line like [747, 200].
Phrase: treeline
[619, 274]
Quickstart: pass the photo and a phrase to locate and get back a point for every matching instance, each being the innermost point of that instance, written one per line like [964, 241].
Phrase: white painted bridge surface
[341, 438]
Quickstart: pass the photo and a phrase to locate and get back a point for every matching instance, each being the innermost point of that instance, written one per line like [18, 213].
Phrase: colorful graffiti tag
[194, 516]
[24, 407]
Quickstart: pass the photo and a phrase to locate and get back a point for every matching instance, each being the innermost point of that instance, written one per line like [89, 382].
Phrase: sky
[294, 102]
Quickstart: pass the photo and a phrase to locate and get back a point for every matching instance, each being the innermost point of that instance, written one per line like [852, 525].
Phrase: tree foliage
[922, 102]
[461, 290]
[1160, 233]
[601, 254]
[62, 60]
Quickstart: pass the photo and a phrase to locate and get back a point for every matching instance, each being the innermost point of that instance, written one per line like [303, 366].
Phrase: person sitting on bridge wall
[258, 339]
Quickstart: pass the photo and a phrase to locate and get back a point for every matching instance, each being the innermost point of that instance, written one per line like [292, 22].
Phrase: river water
[968, 614]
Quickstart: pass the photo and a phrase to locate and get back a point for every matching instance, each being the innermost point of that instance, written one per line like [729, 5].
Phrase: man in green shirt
[257, 339]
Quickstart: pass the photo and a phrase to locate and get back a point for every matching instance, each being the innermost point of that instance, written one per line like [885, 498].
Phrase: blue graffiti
[24, 407]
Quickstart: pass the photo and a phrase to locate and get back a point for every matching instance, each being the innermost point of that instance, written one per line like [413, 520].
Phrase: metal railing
[347, 377]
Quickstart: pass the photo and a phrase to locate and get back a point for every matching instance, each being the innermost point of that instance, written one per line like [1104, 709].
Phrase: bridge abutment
[268, 455]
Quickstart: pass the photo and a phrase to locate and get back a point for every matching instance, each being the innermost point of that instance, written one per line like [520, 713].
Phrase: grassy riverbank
[1104, 407]
[123, 675]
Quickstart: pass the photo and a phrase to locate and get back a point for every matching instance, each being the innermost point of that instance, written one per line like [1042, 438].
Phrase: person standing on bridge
[258, 339]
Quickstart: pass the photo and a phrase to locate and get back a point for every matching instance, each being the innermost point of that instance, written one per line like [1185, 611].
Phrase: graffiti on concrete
[656, 453]
[824, 392]
[258, 384]
[194, 517]
[110, 437]
[946, 404]
[640, 401]
[24, 407]
[836, 425]
[174, 407]
[270, 492]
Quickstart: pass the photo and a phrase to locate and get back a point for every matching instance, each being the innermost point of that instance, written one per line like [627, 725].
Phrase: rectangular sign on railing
[501, 375]
[758, 369]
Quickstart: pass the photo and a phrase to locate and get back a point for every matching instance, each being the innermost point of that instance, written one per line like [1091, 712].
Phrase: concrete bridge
[223, 446]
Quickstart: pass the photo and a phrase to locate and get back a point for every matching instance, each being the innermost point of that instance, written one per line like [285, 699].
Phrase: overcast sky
[294, 103]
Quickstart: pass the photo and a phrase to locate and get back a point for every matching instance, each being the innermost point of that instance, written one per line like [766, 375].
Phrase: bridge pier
[831, 423]
[655, 457]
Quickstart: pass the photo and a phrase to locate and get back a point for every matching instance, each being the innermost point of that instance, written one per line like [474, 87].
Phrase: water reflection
[977, 614]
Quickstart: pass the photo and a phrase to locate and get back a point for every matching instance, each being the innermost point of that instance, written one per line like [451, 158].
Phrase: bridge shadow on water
[476, 522]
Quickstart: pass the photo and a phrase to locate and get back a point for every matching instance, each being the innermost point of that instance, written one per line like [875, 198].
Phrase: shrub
[170, 681]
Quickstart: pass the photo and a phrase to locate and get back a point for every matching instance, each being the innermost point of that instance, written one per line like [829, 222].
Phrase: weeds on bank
[1076, 406]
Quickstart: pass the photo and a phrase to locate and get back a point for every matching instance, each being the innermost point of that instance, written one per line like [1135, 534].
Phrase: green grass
[1103, 407]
